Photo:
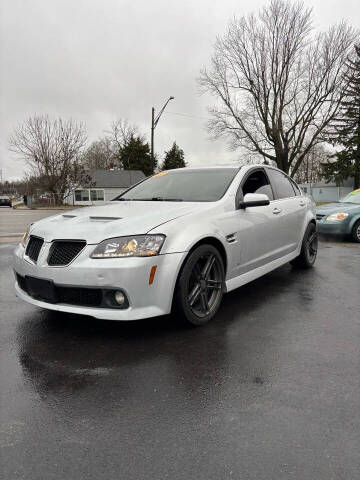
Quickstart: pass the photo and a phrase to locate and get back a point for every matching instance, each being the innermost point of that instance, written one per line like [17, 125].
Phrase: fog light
[119, 297]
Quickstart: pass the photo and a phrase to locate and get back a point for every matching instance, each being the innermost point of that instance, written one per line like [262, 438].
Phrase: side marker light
[152, 274]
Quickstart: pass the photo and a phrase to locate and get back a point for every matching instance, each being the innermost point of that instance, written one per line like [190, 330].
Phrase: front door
[258, 233]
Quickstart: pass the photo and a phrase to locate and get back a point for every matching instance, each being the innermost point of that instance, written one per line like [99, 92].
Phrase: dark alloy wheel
[309, 248]
[200, 285]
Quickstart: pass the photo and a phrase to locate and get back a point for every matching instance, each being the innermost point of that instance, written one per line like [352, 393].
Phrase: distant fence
[47, 199]
[325, 193]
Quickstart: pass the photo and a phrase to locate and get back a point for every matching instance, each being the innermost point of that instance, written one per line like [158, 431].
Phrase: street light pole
[154, 122]
[152, 132]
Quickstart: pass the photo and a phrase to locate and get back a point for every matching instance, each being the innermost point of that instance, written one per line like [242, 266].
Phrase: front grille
[86, 297]
[319, 217]
[33, 247]
[63, 252]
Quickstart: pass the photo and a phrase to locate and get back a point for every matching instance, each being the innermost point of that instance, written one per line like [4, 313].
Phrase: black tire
[309, 248]
[200, 286]
[355, 232]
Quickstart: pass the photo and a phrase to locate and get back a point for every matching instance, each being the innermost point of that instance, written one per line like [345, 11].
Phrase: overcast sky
[98, 60]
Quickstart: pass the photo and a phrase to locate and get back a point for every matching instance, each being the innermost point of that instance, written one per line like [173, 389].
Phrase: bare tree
[51, 148]
[278, 85]
[310, 170]
[120, 133]
[100, 154]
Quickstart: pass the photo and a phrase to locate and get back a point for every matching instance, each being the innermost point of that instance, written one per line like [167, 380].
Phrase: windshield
[352, 197]
[188, 185]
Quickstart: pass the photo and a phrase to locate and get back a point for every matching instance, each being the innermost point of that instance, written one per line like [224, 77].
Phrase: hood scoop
[104, 219]
[69, 216]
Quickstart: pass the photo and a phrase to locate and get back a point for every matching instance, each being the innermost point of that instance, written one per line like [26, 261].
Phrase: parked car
[5, 201]
[181, 238]
[341, 218]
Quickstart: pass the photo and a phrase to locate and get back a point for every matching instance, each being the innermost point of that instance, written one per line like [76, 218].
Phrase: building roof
[116, 178]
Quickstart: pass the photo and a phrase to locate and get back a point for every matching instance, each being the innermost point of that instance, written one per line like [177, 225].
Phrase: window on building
[82, 195]
[96, 195]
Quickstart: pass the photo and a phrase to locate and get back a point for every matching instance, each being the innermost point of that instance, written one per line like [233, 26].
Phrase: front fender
[353, 220]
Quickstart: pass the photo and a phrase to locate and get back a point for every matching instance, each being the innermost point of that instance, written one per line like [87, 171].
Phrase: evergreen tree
[174, 158]
[135, 155]
[346, 130]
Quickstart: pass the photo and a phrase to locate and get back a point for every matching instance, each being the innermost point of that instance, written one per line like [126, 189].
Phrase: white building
[106, 185]
[328, 192]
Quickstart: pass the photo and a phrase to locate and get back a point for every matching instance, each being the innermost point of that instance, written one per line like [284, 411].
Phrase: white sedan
[181, 238]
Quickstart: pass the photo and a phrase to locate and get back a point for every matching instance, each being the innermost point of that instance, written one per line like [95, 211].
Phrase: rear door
[291, 208]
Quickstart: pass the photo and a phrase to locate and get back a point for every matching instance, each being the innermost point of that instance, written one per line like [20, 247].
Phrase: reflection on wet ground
[268, 390]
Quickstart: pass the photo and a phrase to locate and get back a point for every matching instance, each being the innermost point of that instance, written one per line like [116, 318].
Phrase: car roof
[228, 165]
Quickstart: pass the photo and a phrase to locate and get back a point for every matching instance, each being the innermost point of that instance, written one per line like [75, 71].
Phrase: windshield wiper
[164, 199]
[153, 199]
[157, 199]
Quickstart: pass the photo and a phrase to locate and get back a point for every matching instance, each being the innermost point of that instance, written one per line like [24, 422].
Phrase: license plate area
[41, 289]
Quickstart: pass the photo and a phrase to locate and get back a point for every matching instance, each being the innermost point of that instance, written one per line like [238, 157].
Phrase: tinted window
[280, 183]
[188, 185]
[257, 182]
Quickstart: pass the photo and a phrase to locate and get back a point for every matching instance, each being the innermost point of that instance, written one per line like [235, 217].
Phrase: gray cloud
[96, 60]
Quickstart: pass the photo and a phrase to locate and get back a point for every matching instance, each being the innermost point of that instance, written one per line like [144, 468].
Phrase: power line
[185, 115]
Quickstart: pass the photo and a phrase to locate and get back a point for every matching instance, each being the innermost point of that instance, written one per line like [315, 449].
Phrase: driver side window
[256, 182]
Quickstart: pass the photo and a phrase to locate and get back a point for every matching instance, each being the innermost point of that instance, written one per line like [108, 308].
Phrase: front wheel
[200, 285]
[355, 232]
[309, 249]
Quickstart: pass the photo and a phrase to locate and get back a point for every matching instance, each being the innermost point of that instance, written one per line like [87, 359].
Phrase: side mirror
[254, 200]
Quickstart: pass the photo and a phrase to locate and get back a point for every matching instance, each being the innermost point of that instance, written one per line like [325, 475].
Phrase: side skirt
[260, 271]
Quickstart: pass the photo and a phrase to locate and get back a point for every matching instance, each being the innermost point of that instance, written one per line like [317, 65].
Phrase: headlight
[25, 237]
[136, 246]
[337, 217]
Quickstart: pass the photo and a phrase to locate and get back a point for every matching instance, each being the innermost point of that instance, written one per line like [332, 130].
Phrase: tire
[200, 286]
[309, 248]
[355, 232]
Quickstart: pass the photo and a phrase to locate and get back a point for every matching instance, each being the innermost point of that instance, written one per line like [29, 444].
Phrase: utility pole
[152, 132]
[154, 122]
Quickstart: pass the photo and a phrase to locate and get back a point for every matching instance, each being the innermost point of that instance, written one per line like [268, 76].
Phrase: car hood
[330, 208]
[95, 224]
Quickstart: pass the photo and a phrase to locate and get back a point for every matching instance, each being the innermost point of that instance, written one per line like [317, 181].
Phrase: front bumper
[130, 275]
[333, 228]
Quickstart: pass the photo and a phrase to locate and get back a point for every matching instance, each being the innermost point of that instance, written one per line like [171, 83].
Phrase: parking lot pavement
[14, 222]
[269, 390]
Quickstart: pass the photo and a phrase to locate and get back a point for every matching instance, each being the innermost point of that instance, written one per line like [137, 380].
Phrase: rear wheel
[200, 285]
[355, 232]
[309, 249]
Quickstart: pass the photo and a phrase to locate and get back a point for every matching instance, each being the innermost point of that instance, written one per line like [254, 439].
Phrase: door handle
[276, 211]
[302, 203]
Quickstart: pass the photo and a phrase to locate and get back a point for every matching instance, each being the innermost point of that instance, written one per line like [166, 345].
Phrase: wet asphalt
[269, 390]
